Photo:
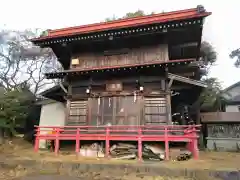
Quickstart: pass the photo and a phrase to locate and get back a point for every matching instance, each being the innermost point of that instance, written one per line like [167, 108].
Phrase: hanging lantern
[88, 90]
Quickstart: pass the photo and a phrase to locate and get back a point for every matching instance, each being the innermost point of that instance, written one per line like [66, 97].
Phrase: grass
[18, 149]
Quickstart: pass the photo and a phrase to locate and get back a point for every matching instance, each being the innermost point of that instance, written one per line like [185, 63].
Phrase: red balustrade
[167, 133]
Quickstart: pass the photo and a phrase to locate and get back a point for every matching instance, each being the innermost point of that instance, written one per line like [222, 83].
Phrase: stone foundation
[223, 144]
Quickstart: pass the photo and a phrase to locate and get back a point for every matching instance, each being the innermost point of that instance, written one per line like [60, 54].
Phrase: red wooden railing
[167, 133]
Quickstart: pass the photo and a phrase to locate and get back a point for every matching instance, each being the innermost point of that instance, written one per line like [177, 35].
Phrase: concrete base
[223, 144]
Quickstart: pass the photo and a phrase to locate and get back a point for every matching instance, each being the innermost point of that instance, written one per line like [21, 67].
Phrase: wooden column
[68, 101]
[169, 109]
[201, 134]
[67, 111]
[168, 97]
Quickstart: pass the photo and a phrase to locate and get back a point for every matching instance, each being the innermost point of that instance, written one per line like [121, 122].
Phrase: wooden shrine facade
[127, 72]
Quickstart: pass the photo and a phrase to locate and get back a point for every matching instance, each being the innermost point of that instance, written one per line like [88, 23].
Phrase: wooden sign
[113, 86]
[75, 61]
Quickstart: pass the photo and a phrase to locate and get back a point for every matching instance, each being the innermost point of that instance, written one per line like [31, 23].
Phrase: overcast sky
[221, 29]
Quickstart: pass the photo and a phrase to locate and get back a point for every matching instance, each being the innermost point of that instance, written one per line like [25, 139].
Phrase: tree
[22, 69]
[129, 15]
[211, 97]
[21, 61]
[208, 57]
[236, 55]
[14, 108]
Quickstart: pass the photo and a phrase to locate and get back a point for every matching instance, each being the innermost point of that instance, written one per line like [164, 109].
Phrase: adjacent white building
[53, 110]
[232, 95]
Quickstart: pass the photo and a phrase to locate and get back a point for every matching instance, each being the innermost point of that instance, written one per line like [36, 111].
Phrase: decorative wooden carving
[133, 56]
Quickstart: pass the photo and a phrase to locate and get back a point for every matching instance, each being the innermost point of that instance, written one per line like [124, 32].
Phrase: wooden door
[127, 110]
[118, 110]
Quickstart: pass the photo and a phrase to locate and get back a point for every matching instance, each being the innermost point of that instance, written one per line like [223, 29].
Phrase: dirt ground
[18, 149]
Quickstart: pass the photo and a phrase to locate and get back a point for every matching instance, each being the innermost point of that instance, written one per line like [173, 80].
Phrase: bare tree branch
[22, 62]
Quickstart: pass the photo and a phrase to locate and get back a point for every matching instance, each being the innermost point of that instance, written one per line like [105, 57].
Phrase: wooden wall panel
[132, 56]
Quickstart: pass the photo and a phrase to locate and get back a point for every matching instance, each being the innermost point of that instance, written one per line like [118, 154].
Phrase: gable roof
[54, 93]
[235, 99]
[125, 23]
[231, 87]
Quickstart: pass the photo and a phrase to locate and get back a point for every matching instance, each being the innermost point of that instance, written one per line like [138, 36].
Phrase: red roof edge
[122, 20]
[124, 23]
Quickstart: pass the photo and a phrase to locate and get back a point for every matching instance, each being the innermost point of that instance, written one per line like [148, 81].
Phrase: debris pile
[129, 151]
[153, 152]
[93, 150]
[184, 155]
[179, 154]
[123, 151]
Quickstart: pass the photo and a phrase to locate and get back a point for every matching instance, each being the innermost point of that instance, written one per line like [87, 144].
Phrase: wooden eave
[55, 93]
[176, 77]
[154, 64]
[145, 24]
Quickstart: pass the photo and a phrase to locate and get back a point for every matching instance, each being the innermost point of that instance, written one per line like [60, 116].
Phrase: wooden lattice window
[155, 110]
[77, 113]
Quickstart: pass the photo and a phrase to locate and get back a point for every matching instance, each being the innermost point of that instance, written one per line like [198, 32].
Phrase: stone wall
[223, 137]
[223, 144]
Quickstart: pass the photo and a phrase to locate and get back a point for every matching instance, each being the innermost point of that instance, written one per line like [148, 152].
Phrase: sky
[221, 29]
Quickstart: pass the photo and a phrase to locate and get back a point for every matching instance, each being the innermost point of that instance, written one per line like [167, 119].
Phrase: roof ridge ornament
[45, 33]
[200, 9]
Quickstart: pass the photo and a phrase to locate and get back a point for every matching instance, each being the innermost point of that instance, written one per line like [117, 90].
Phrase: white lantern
[87, 90]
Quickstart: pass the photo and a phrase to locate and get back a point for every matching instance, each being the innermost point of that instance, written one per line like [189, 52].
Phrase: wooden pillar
[140, 144]
[169, 109]
[77, 147]
[201, 143]
[68, 101]
[67, 111]
[36, 145]
[168, 97]
[166, 143]
[198, 119]
[57, 141]
[107, 143]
